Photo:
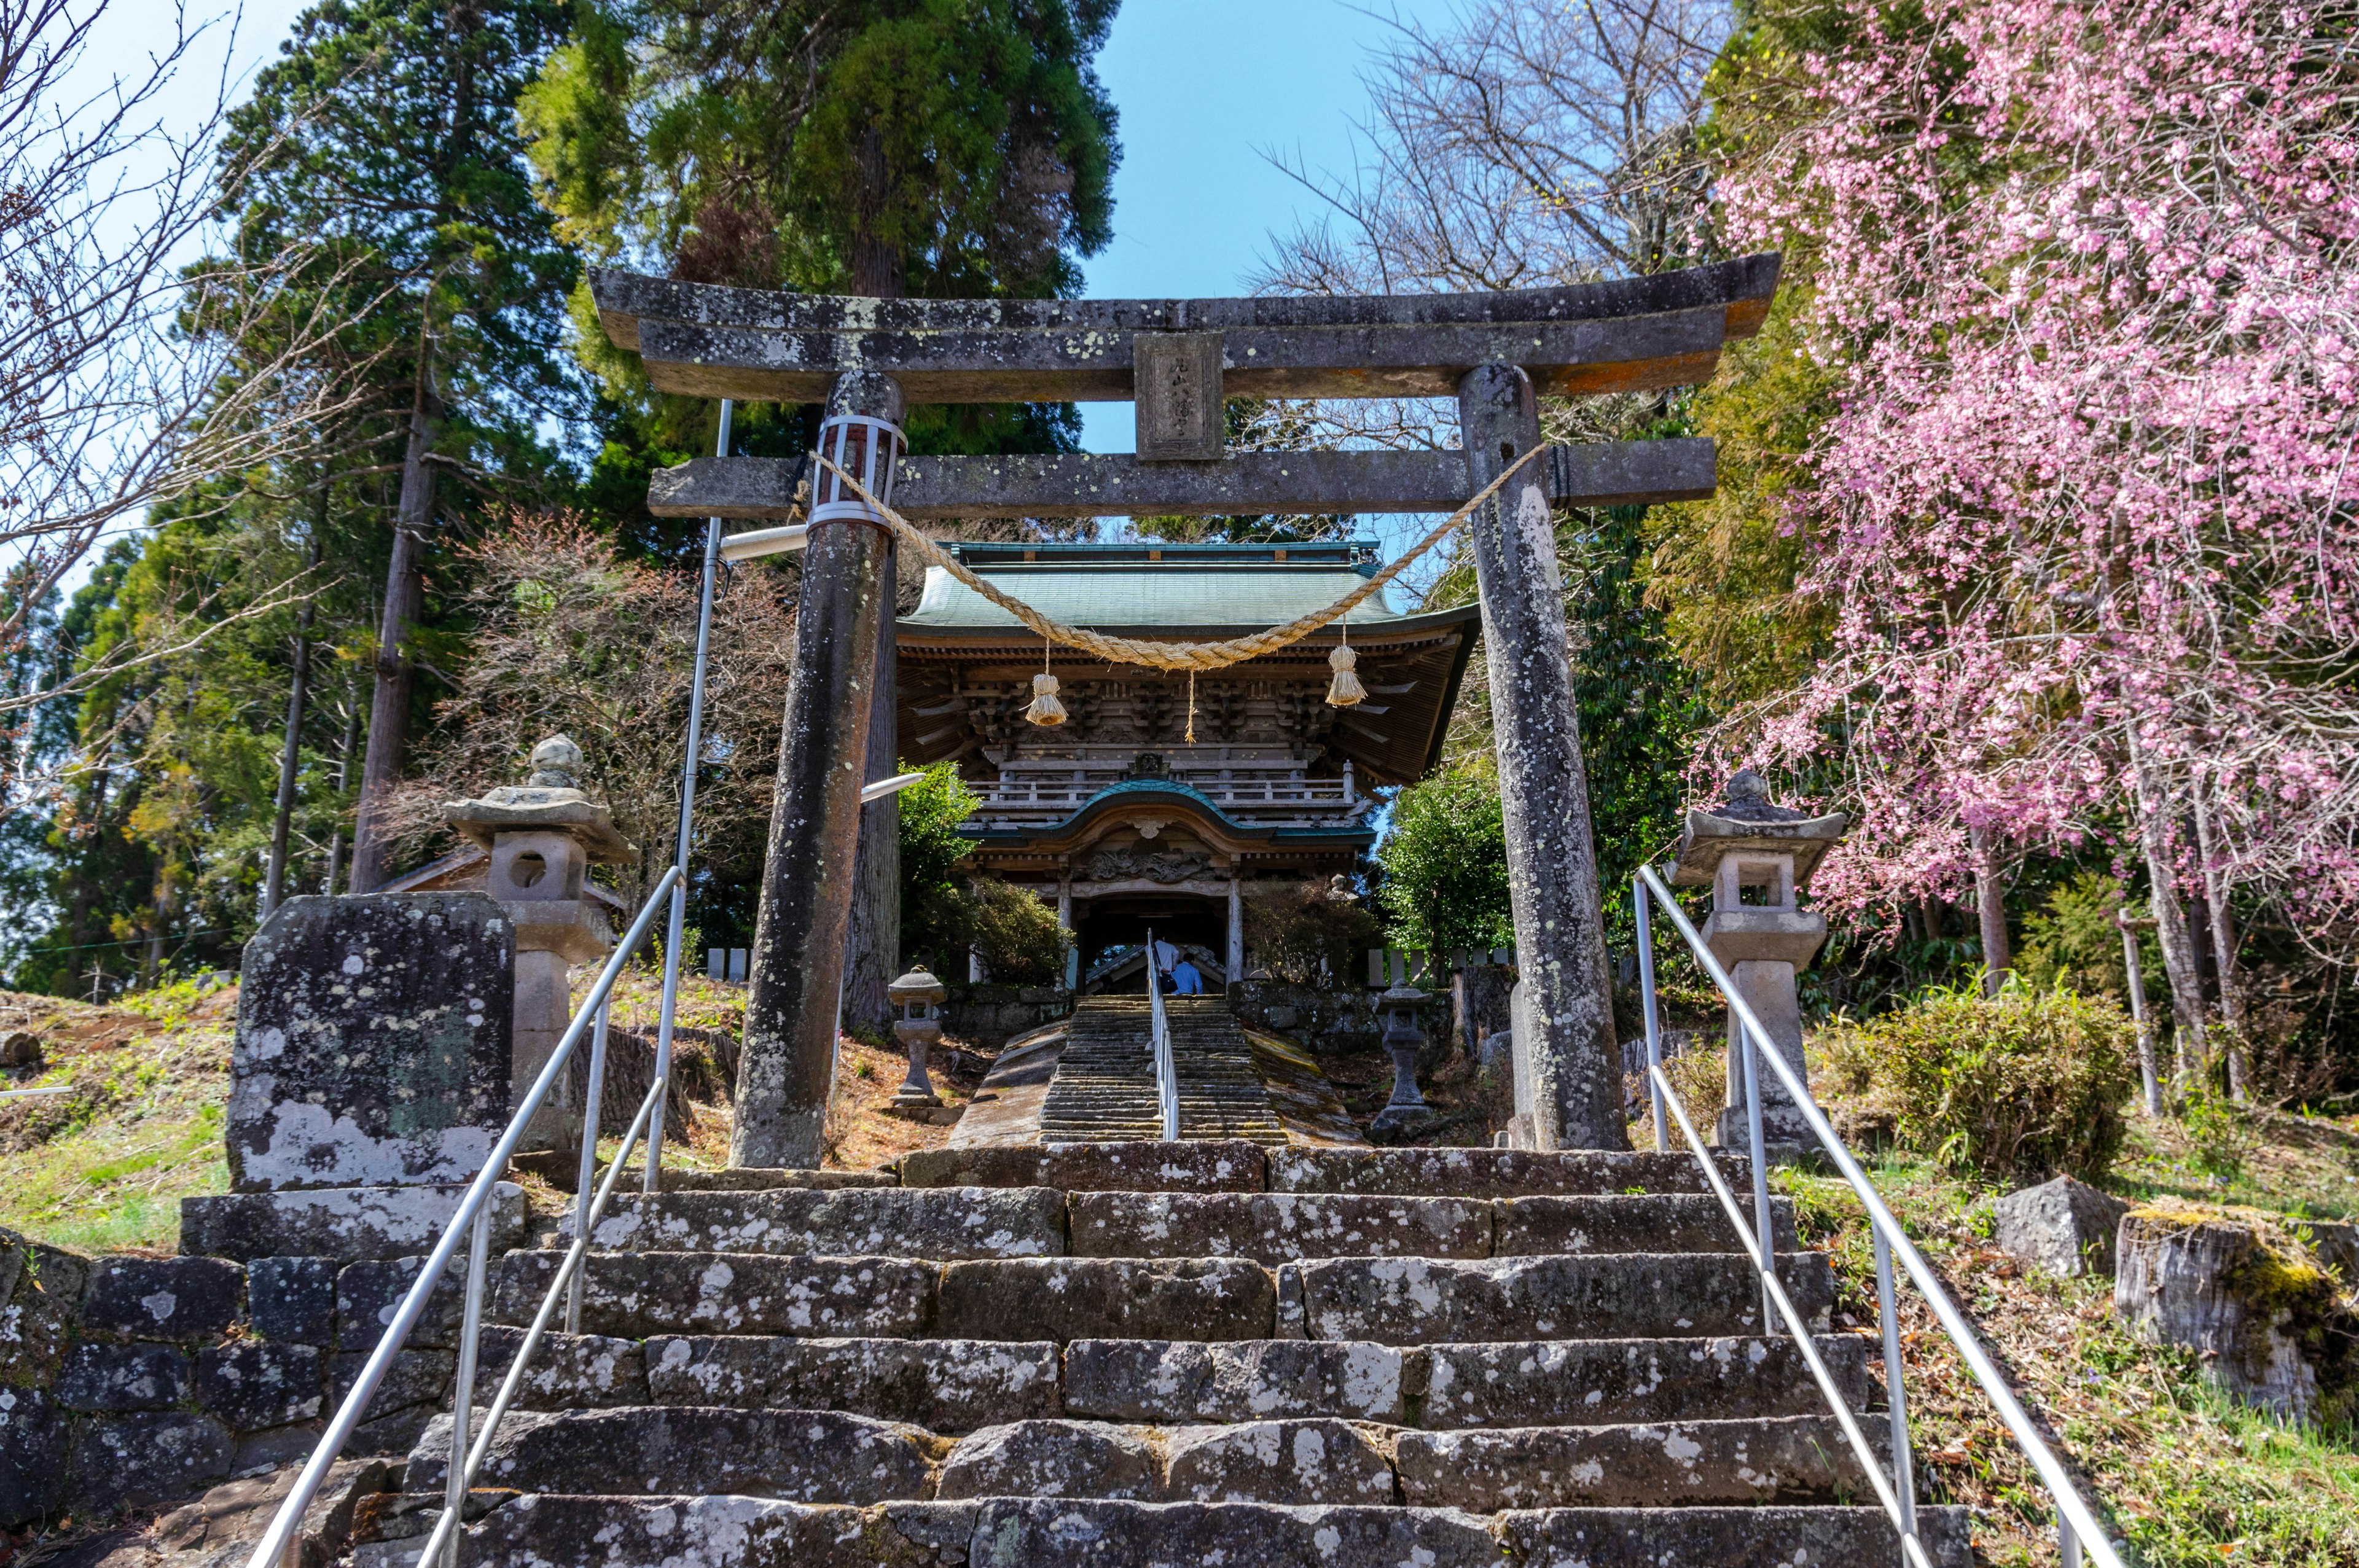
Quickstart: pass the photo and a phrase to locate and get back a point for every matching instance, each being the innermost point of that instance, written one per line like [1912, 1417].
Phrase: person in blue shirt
[1186, 979]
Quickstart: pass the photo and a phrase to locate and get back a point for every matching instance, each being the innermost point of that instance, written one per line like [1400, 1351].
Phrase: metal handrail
[2078, 1526]
[1167, 1075]
[472, 1221]
[1903, 1512]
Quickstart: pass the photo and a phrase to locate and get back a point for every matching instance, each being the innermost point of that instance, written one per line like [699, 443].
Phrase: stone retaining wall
[126, 1381]
[990, 1015]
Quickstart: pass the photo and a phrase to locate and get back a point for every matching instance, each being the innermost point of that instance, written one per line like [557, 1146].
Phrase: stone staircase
[1104, 1086]
[1138, 1353]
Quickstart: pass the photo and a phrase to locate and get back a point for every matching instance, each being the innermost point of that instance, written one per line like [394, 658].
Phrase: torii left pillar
[813, 865]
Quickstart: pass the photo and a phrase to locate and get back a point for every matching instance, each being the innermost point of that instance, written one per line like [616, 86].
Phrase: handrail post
[2067, 1544]
[1904, 1466]
[589, 1173]
[1647, 1001]
[1761, 1225]
[462, 1387]
[677, 931]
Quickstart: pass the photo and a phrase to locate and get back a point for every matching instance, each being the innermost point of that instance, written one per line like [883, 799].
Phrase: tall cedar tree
[391, 135]
[934, 148]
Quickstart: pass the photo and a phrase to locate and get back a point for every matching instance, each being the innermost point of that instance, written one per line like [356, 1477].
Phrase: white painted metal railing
[2077, 1528]
[1167, 1075]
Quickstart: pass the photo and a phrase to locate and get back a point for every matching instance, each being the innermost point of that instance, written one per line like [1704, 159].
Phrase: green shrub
[936, 912]
[2017, 1087]
[2220, 1133]
[1445, 862]
[1018, 934]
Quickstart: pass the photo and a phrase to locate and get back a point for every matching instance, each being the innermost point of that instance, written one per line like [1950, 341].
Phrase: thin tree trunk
[1990, 904]
[343, 778]
[2179, 963]
[78, 902]
[2220, 929]
[878, 270]
[274, 878]
[395, 673]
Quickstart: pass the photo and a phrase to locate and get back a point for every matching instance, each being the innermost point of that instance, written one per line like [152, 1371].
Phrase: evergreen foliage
[1445, 865]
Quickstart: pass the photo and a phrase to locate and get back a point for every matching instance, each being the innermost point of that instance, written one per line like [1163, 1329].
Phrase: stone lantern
[1757, 856]
[917, 997]
[542, 835]
[1404, 1038]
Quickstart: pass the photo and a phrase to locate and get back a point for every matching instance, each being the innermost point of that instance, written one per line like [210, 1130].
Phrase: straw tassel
[1046, 711]
[1345, 689]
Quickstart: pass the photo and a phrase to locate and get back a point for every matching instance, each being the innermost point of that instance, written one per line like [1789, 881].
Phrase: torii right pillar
[1565, 1032]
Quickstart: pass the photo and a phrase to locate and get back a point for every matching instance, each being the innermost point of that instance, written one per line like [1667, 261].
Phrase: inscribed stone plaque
[372, 1042]
[1175, 378]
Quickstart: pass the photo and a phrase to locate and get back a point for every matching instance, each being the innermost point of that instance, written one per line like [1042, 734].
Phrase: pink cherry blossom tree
[2084, 516]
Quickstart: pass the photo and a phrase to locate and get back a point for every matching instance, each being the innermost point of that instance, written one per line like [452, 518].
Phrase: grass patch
[114, 1182]
[2191, 1476]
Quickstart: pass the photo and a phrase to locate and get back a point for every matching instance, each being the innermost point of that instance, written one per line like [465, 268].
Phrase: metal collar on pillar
[869, 450]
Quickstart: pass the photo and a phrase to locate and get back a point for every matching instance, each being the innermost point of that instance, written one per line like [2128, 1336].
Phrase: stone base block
[348, 1223]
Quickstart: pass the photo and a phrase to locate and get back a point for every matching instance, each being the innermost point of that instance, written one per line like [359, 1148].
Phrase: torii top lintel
[1625, 335]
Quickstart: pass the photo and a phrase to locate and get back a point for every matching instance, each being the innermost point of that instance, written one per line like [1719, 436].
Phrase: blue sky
[1205, 89]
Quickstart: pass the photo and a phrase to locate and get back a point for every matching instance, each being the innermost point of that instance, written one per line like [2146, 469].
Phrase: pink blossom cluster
[2089, 273]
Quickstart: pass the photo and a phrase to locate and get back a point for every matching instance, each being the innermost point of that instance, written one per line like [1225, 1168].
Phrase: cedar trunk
[389, 731]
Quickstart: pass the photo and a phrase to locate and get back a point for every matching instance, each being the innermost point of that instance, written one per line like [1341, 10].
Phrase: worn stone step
[1420, 1301]
[1453, 1387]
[1785, 1459]
[1291, 1461]
[956, 1386]
[1053, 1533]
[944, 1385]
[1229, 1166]
[1575, 1382]
[941, 1224]
[636, 1294]
[1066, 1299]
[813, 1456]
[827, 1456]
[757, 1179]
[1391, 1300]
[1493, 1172]
[1278, 1227]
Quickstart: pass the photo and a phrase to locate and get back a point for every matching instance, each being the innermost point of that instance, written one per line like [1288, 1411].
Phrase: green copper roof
[1122, 585]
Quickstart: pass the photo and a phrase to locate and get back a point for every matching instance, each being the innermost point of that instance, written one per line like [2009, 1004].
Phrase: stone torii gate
[867, 358]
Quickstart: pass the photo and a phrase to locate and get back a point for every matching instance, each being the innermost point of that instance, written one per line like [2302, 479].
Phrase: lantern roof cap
[918, 985]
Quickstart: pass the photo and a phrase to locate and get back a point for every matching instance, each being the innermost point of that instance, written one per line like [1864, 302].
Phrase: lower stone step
[1050, 1532]
[1239, 1165]
[826, 1457]
[956, 1386]
[948, 1222]
[1420, 1301]
[1391, 1300]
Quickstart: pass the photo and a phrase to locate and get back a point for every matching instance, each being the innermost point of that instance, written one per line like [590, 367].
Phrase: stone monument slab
[373, 1043]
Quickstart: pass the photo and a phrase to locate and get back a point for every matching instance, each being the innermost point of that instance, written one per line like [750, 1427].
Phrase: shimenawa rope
[1173, 655]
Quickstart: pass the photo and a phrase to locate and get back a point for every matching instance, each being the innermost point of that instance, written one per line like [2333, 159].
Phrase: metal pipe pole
[1647, 1001]
[1752, 1059]
[677, 932]
[589, 1171]
[462, 1388]
[1904, 1464]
